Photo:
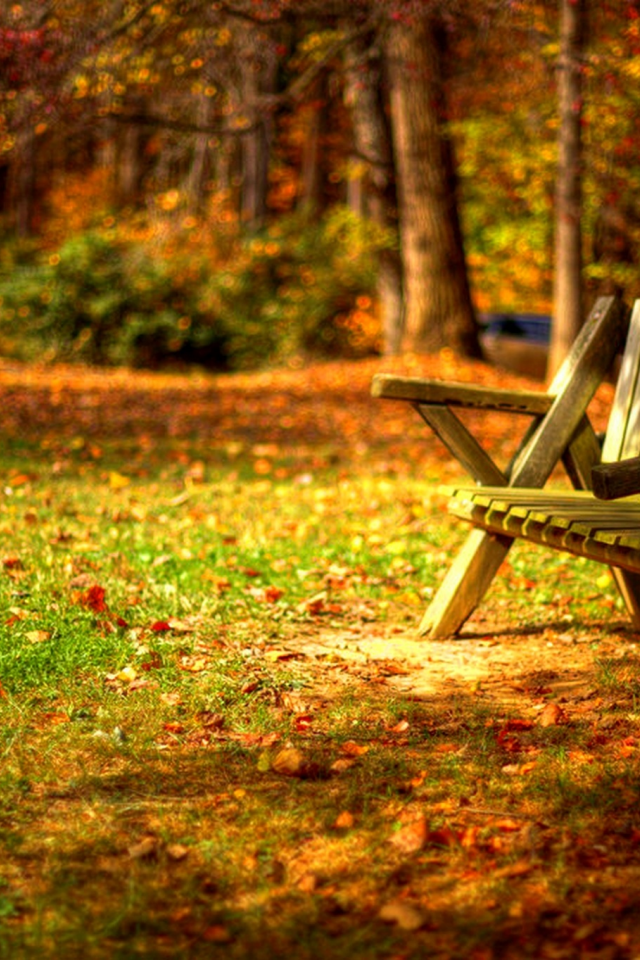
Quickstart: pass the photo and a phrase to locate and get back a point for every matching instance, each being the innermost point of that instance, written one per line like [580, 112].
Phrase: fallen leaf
[176, 851]
[146, 848]
[117, 481]
[216, 933]
[518, 769]
[552, 716]
[411, 837]
[342, 765]
[403, 914]
[344, 820]
[307, 883]
[38, 636]
[181, 626]
[353, 749]
[401, 727]
[303, 722]
[289, 762]
[94, 598]
[127, 674]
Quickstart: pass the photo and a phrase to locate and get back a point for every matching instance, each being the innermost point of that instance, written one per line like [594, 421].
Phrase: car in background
[517, 341]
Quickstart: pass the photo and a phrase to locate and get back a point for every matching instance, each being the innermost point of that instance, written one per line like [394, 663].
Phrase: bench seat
[574, 522]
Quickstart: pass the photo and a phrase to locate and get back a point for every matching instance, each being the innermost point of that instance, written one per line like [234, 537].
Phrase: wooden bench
[510, 503]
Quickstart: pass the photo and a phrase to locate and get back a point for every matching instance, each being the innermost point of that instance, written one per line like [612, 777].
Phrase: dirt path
[508, 669]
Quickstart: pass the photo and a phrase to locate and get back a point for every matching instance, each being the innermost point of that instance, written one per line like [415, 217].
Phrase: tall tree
[567, 296]
[438, 307]
[373, 151]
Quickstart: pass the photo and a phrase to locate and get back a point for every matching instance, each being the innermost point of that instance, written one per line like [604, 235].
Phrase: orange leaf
[344, 820]
[552, 716]
[400, 727]
[412, 837]
[353, 749]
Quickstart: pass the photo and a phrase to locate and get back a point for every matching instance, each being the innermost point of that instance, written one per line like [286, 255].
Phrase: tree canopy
[214, 123]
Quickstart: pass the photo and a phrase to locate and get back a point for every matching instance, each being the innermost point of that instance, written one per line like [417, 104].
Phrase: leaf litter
[296, 771]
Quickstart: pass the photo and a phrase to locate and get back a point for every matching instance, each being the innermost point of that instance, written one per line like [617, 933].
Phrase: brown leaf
[401, 727]
[217, 933]
[552, 716]
[342, 765]
[353, 749]
[412, 837]
[289, 762]
[405, 915]
[176, 851]
[145, 849]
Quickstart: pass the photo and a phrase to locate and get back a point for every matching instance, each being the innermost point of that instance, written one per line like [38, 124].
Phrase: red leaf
[93, 598]
[160, 626]
[303, 722]
[273, 594]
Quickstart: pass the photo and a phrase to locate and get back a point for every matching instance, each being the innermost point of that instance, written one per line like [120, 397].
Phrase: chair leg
[629, 586]
[465, 584]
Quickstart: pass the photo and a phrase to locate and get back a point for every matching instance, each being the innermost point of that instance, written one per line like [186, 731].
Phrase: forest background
[237, 182]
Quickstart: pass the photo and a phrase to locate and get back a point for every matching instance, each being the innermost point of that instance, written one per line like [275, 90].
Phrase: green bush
[104, 302]
[293, 288]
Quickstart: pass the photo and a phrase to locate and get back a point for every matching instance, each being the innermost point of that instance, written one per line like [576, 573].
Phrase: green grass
[174, 620]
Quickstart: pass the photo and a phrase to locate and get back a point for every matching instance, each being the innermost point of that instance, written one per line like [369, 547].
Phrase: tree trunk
[372, 143]
[438, 307]
[197, 178]
[23, 186]
[258, 77]
[130, 159]
[567, 294]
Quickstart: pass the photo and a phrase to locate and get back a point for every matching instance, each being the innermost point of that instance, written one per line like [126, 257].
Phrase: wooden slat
[622, 439]
[616, 546]
[589, 534]
[417, 390]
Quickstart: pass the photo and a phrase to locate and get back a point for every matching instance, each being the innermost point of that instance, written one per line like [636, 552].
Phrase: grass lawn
[219, 732]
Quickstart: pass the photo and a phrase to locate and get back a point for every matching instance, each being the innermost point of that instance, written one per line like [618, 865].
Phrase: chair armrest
[452, 394]
[614, 480]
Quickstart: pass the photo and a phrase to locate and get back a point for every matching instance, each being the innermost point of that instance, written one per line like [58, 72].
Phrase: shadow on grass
[207, 851]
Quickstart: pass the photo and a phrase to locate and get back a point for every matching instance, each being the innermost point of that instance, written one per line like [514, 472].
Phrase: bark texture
[374, 156]
[438, 307]
[567, 294]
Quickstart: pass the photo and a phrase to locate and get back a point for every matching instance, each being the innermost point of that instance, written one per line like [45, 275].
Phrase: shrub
[104, 301]
[299, 286]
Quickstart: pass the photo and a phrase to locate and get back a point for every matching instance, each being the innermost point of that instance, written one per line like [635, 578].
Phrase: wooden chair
[512, 503]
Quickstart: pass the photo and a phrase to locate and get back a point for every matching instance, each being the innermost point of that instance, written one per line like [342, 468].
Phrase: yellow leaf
[127, 674]
[289, 762]
[117, 480]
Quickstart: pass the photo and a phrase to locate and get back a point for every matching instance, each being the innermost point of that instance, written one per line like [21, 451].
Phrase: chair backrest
[622, 439]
